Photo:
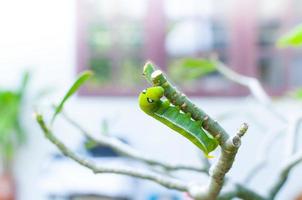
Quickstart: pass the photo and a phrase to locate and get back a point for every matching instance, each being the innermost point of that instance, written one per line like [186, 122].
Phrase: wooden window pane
[115, 44]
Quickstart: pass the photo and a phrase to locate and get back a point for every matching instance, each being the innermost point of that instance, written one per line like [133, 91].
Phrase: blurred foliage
[297, 94]
[12, 133]
[130, 72]
[100, 39]
[102, 68]
[130, 35]
[190, 68]
[291, 39]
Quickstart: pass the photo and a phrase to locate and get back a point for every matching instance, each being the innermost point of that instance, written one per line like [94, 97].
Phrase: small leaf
[149, 68]
[191, 68]
[76, 85]
[198, 62]
[89, 144]
[292, 38]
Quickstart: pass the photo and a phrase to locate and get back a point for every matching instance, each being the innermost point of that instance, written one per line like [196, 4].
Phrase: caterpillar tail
[208, 156]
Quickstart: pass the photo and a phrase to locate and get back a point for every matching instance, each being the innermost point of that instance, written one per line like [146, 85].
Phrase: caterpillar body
[150, 102]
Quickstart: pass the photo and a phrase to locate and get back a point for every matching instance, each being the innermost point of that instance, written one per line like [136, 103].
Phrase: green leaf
[191, 68]
[149, 68]
[297, 94]
[292, 38]
[89, 144]
[76, 85]
[197, 62]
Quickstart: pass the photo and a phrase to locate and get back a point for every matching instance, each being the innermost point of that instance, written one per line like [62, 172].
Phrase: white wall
[40, 34]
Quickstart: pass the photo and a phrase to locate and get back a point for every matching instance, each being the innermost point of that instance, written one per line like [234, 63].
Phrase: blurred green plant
[190, 69]
[291, 39]
[297, 94]
[12, 134]
[130, 72]
[102, 67]
[100, 39]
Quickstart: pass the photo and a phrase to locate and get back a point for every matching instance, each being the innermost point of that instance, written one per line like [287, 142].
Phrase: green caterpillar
[150, 102]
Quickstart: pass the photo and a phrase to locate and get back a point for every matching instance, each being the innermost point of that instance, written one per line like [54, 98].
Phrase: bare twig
[284, 174]
[249, 82]
[128, 151]
[262, 158]
[293, 124]
[252, 84]
[240, 192]
[224, 164]
[165, 181]
[134, 172]
[240, 112]
[292, 134]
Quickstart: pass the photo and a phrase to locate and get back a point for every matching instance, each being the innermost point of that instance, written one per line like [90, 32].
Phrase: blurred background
[55, 40]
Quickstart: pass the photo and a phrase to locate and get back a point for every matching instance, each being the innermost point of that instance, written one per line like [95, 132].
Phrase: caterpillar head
[149, 99]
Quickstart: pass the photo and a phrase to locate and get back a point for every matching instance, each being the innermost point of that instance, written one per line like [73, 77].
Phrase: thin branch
[262, 158]
[292, 134]
[134, 172]
[259, 93]
[249, 82]
[224, 164]
[167, 182]
[252, 84]
[240, 192]
[128, 151]
[237, 112]
[284, 174]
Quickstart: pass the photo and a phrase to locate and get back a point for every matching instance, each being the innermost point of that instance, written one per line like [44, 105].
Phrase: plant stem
[162, 180]
[128, 151]
[284, 174]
